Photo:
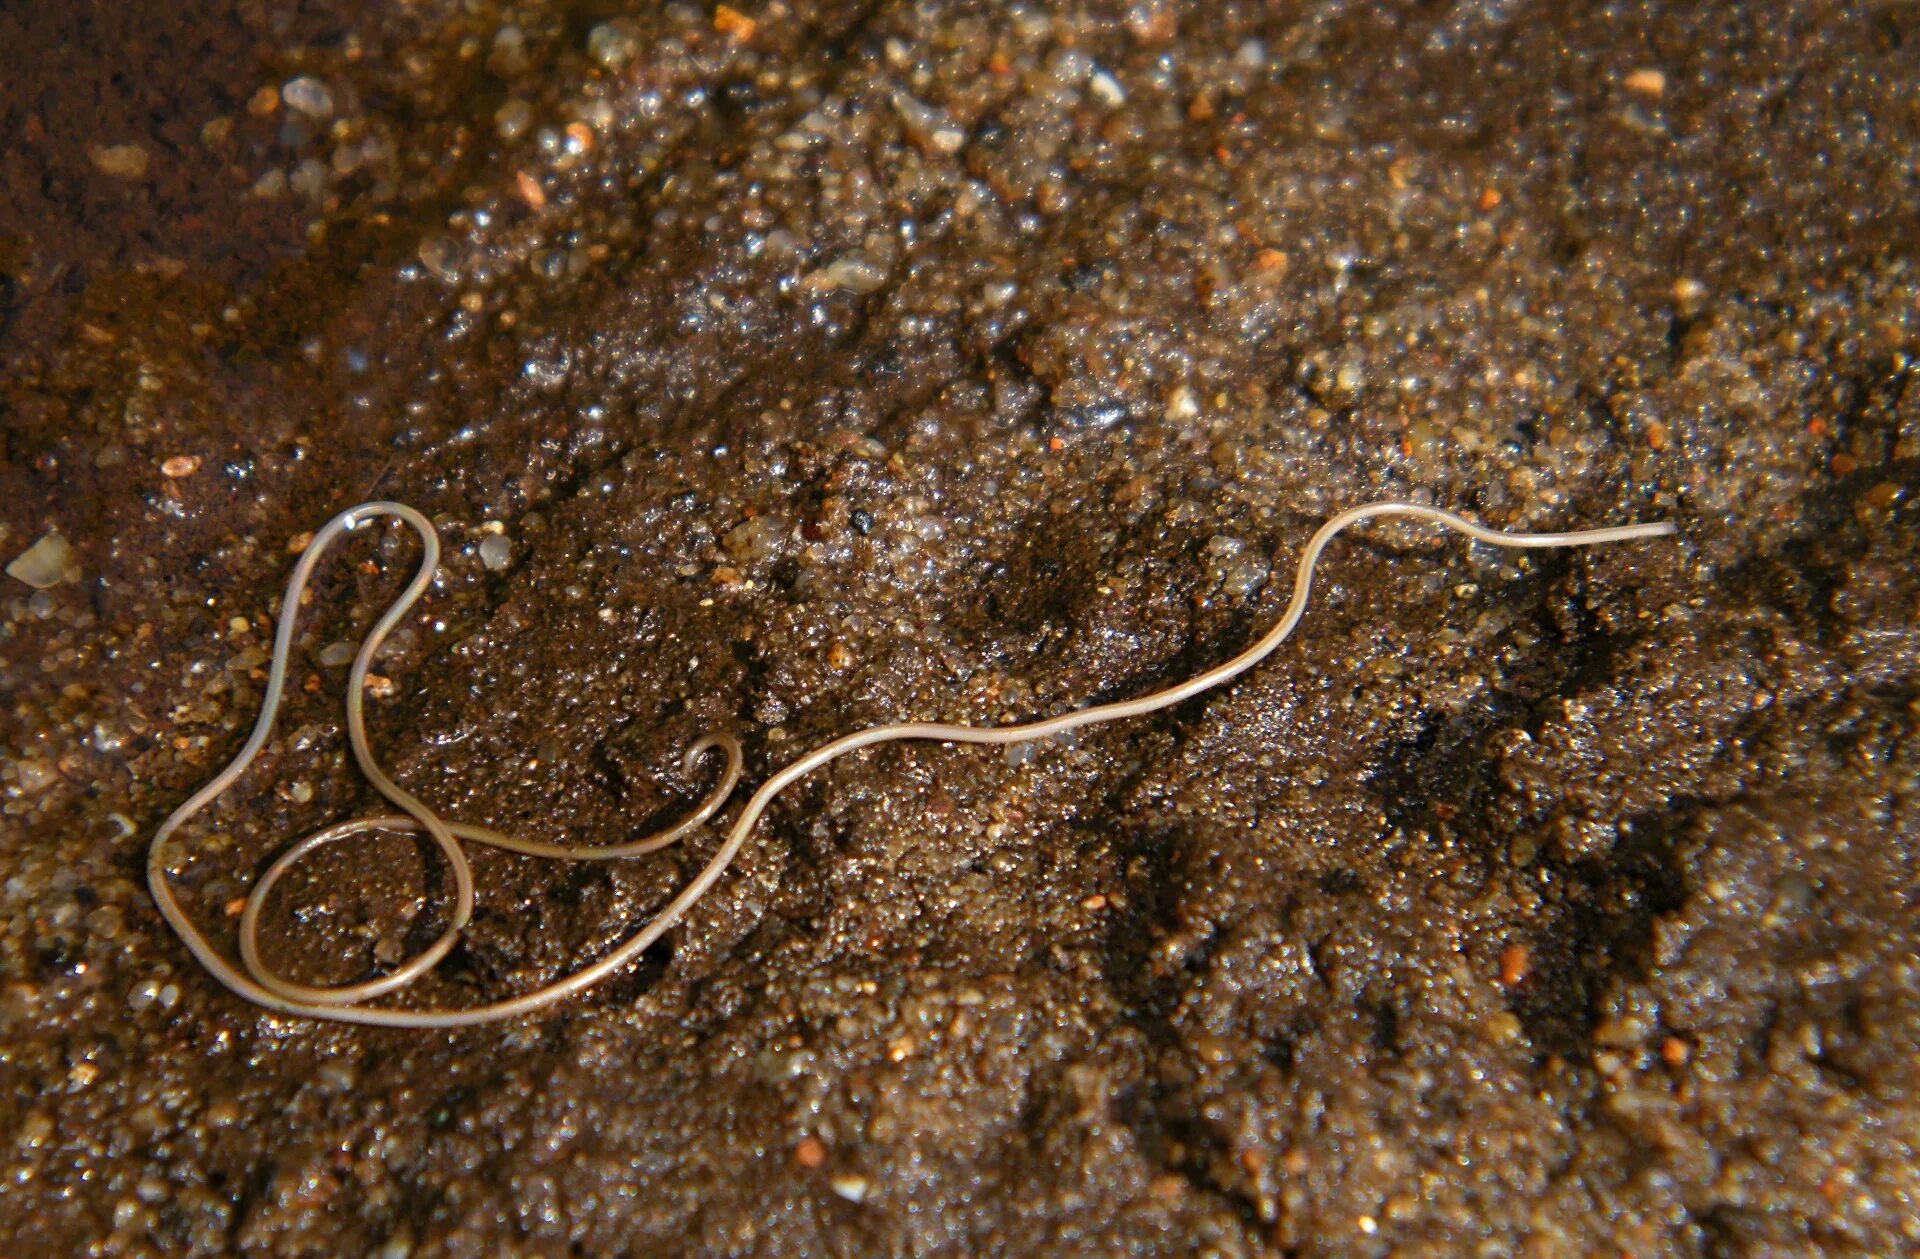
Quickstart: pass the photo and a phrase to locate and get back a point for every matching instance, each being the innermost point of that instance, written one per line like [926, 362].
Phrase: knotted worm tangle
[349, 1002]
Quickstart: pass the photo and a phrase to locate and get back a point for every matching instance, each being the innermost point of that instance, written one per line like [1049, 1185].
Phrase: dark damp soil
[814, 365]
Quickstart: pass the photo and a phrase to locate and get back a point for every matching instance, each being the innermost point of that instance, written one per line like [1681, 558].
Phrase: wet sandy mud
[783, 370]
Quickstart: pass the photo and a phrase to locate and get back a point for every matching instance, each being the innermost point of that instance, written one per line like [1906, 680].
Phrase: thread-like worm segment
[348, 1002]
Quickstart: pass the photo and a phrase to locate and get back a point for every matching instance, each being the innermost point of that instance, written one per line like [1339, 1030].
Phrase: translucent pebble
[44, 563]
[1221, 545]
[1243, 575]
[512, 119]
[309, 179]
[34, 775]
[852, 1188]
[308, 95]
[757, 539]
[35, 1130]
[929, 126]
[509, 53]
[495, 552]
[337, 1077]
[441, 256]
[858, 272]
[610, 46]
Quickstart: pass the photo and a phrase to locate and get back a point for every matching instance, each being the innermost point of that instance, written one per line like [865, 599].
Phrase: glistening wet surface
[783, 371]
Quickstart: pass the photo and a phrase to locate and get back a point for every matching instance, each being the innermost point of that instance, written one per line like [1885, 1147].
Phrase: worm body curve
[350, 1003]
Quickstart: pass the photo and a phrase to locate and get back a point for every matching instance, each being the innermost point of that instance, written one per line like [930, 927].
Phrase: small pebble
[144, 994]
[336, 1076]
[34, 1131]
[928, 127]
[495, 552]
[734, 24]
[309, 179]
[308, 95]
[1688, 294]
[1106, 89]
[754, 540]
[122, 161]
[1646, 81]
[441, 257]
[509, 53]
[1502, 1027]
[44, 564]
[512, 119]
[1516, 962]
[810, 1152]
[180, 466]
[857, 272]
[852, 1188]
[611, 46]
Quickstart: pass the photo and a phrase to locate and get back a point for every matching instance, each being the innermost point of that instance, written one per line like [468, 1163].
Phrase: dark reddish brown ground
[1556, 907]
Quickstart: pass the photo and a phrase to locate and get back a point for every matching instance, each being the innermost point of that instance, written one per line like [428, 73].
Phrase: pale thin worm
[345, 1003]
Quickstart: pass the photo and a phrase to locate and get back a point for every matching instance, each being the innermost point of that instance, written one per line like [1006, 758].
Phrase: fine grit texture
[780, 370]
